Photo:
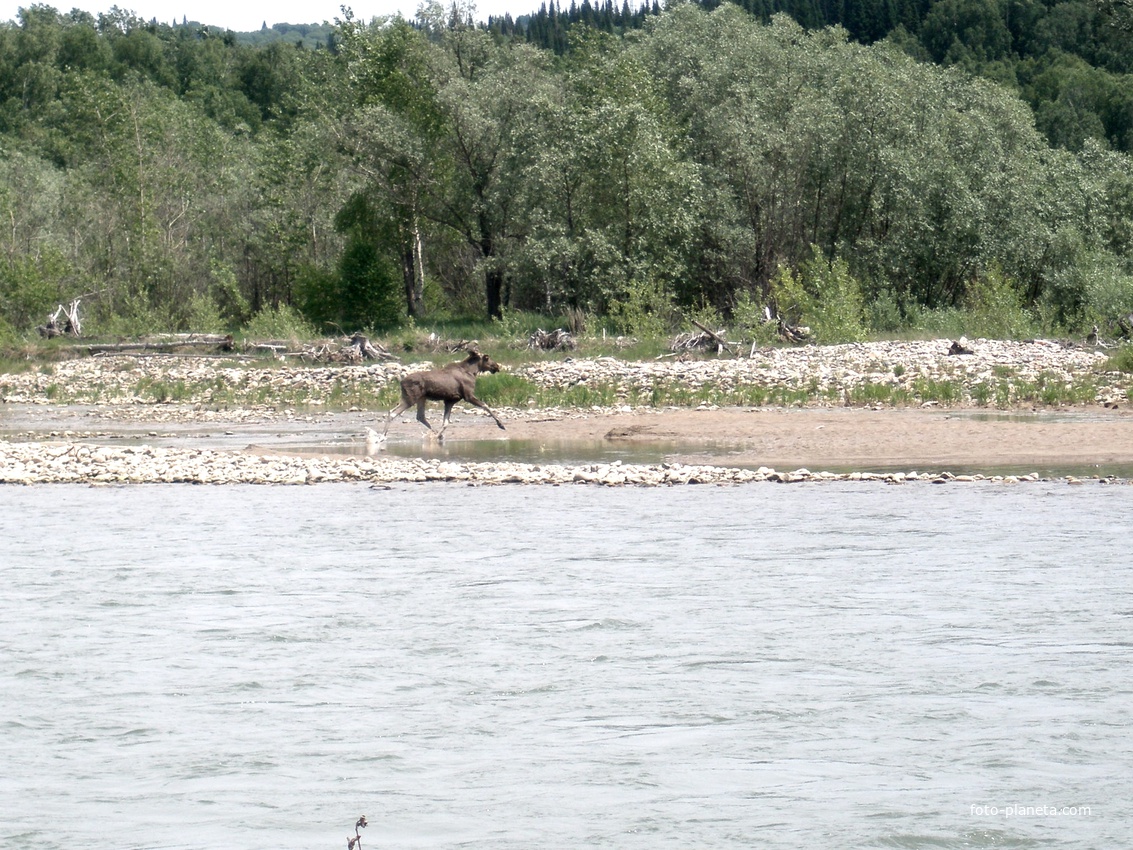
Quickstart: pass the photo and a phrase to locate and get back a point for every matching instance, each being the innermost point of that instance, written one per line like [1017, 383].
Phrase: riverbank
[77, 463]
[995, 374]
[90, 421]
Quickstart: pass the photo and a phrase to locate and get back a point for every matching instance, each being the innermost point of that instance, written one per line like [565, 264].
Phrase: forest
[866, 168]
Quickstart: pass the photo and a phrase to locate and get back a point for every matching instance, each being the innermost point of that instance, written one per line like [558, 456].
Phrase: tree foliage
[635, 167]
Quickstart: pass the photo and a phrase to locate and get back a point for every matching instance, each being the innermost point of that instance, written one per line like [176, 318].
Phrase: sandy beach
[847, 438]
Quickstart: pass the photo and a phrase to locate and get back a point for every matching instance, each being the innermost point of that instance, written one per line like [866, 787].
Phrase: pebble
[113, 381]
[832, 371]
[76, 463]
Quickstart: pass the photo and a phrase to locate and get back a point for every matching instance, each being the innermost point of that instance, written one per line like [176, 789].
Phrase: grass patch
[943, 392]
[160, 391]
[1003, 395]
[1121, 360]
[505, 390]
[1053, 391]
[876, 393]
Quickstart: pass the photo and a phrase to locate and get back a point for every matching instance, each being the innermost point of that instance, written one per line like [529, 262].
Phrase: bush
[750, 320]
[202, 315]
[836, 312]
[318, 298]
[513, 326]
[505, 390]
[994, 308]
[645, 310]
[823, 296]
[1121, 360]
[949, 322]
[225, 293]
[885, 314]
[1108, 289]
[134, 316]
[8, 336]
[31, 287]
[282, 323]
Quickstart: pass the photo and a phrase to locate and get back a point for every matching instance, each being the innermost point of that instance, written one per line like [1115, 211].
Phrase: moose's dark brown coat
[451, 383]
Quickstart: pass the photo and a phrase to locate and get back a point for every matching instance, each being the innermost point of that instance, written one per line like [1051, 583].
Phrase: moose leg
[396, 412]
[421, 414]
[444, 422]
[473, 400]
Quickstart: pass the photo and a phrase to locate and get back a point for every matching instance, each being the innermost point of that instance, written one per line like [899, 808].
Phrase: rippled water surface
[811, 666]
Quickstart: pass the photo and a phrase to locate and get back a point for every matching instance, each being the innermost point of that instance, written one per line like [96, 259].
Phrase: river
[803, 666]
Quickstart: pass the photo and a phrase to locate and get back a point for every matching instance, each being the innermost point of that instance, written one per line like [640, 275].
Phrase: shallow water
[318, 432]
[819, 666]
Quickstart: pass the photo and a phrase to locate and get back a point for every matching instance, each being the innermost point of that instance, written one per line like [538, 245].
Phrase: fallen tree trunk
[179, 341]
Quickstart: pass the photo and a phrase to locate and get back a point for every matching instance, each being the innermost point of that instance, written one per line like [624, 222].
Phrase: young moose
[452, 383]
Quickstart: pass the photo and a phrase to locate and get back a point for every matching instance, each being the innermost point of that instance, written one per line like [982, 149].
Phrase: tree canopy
[629, 164]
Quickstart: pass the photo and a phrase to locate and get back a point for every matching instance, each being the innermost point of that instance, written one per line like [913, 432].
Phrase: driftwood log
[356, 350]
[723, 344]
[369, 350]
[559, 339]
[793, 333]
[167, 343]
[354, 842]
[707, 339]
[71, 326]
[684, 343]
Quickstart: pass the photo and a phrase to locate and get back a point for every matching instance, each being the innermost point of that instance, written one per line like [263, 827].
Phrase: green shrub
[133, 316]
[884, 313]
[995, 309]
[369, 287]
[281, 323]
[789, 297]
[230, 301]
[824, 296]
[30, 287]
[1109, 291]
[644, 310]
[505, 390]
[837, 312]
[513, 326]
[750, 320]
[1121, 360]
[707, 315]
[318, 298]
[9, 339]
[943, 322]
[202, 315]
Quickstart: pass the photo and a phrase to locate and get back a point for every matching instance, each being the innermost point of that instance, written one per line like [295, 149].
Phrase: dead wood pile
[358, 349]
[559, 339]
